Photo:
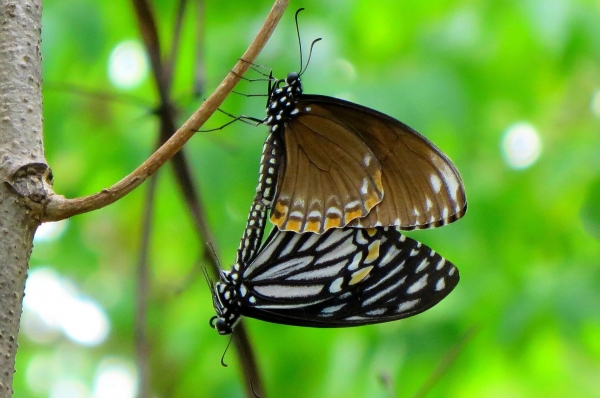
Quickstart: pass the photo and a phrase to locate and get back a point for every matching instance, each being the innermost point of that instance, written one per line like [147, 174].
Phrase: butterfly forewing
[344, 277]
[329, 180]
[350, 165]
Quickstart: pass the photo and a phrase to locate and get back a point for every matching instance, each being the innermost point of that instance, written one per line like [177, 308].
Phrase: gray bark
[23, 170]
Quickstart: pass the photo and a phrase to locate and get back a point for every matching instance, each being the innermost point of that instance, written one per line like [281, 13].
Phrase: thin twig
[142, 346]
[446, 362]
[58, 207]
[172, 58]
[199, 65]
[183, 173]
[97, 94]
[149, 31]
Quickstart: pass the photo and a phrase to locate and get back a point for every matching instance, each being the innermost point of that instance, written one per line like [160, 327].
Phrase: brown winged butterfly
[329, 163]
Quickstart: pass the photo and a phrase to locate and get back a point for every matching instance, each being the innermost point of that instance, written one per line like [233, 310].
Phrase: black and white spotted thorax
[282, 105]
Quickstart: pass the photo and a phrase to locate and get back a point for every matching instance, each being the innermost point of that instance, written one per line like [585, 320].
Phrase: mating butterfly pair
[340, 180]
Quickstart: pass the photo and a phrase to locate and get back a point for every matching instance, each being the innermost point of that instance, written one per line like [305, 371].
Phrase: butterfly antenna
[298, 34]
[225, 352]
[309, 55]
[208, 280]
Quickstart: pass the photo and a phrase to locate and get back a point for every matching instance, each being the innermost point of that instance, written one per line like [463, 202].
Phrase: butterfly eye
[222, 327]
[291, 78]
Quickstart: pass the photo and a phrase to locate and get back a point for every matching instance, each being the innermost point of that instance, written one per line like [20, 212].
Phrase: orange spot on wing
[371, 231]
[360, 275]
[373, 252]
[332, 222]
[371, 201]
[313, 226]
[293, 225]
[351, 215]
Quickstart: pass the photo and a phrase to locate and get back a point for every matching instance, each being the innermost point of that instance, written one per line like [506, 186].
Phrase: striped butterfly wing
[346, 164]
[344, 277]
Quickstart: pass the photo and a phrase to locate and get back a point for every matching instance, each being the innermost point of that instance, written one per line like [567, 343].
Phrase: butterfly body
[340, 164]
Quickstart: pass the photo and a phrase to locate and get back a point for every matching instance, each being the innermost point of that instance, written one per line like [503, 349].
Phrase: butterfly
[343, 277]
[329, 163]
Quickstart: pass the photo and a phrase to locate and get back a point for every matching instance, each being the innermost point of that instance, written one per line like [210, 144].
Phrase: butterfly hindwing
[344, 277]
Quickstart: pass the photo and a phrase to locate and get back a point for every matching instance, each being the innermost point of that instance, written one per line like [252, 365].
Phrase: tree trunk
[23, 170]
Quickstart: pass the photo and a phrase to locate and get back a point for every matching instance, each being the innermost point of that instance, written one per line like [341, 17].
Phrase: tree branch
[21, 146]
[142, 345]
[58, 207]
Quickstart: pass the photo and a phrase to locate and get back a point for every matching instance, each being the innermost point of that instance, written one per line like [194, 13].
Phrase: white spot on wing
[365, 186]
[326, 272]
[333, 308]
[440, 285]
[265, 256]
[407, 305]
[298, 202]
[441, 264]
[389, 256]
[335, 236]
[284, 268]
[418, 285]
[310, 242]
[382, 293]
[360, 239]
[352, 205]
[377, 312]
[445, 212]
[297, 214]
[424, 264]
[436, 183]
[356, 262]
[337, 252]
[336, 285]
[334, 211]
[315, 214]
[288, 291]
[291, 246]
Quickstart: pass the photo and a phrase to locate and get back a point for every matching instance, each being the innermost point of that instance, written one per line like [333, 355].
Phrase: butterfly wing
[344, 277]
[330, 178]
[421, 187]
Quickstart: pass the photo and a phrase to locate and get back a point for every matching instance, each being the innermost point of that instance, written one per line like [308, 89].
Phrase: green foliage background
[460, 72]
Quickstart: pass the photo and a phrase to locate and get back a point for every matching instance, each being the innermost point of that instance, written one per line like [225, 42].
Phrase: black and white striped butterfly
[343, 277]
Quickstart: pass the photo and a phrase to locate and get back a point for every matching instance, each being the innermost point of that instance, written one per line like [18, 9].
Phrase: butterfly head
[225, 303]
[293, 83]
[283, 100]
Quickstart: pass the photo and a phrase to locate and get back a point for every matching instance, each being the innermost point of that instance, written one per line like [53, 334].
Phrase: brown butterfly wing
[330, 177]
[338, 153]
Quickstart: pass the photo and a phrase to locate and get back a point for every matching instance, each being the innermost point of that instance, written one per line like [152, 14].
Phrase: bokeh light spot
[69, 388]
[595, 105]
[115, 378]
[52, 303]
[521, 145]
[50, 231]
[127, 65]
